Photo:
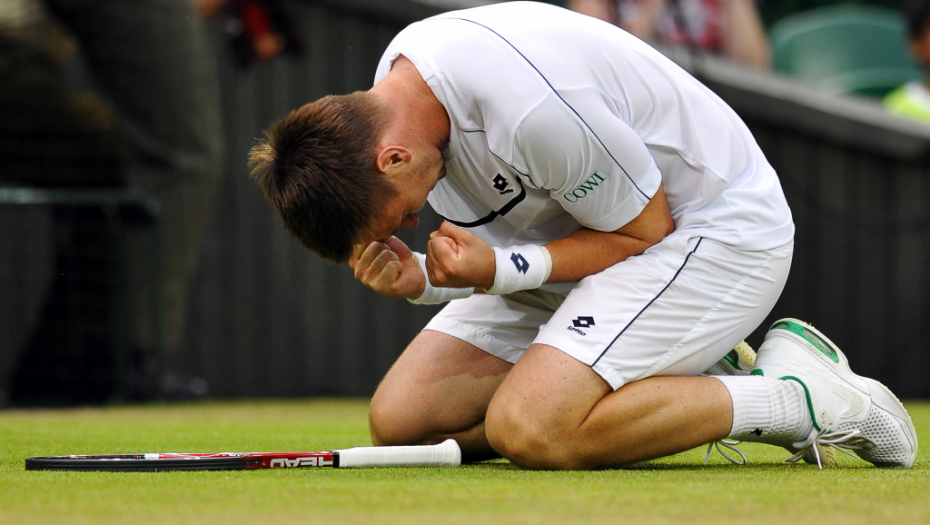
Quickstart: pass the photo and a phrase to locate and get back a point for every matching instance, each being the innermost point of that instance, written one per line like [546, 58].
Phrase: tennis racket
[445, 454]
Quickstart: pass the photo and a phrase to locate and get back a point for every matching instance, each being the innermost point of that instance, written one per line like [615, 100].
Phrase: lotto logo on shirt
[586, 187]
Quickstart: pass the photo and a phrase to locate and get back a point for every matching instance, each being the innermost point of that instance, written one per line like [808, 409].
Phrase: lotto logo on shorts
[519, 262]
[581, 322]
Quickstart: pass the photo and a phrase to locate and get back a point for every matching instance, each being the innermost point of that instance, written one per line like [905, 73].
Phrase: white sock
[767, 410]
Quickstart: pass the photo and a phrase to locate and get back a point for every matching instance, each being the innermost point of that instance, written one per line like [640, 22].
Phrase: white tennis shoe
[849, 412]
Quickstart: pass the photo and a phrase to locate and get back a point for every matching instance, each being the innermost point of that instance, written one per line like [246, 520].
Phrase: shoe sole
[746, 352]
[883, 398]
[738, 362]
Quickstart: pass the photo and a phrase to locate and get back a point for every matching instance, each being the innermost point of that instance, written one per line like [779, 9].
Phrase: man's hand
[389, 268]
[456, 258]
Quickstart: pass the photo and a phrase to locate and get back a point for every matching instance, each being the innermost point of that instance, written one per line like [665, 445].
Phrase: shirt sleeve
[590, 161]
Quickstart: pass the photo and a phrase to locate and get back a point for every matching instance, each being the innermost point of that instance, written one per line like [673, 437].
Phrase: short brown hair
[317, 167]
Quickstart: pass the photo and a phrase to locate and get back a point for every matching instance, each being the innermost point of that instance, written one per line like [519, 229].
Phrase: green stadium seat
[847, 49]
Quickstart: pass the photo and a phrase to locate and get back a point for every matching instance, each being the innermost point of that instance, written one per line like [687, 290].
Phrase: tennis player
[611, 232]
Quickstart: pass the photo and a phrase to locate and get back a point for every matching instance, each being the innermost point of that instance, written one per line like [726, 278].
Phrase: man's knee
[391, 423]
[514, 431]
[536, 418]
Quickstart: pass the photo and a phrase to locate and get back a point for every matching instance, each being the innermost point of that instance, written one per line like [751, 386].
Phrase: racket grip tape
[445, 454]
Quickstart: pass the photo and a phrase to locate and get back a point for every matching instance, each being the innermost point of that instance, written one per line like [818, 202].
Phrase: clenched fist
[389, 268]
[458, 259]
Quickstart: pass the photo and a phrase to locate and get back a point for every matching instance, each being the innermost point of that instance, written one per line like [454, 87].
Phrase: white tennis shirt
[559, 120]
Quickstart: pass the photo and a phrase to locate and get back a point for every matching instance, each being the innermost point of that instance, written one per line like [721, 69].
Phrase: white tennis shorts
[676, 309]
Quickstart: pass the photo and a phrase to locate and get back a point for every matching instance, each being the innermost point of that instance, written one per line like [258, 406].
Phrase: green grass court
[679, 489]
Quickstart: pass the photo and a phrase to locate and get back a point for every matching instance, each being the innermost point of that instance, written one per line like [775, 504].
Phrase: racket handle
[445, 454]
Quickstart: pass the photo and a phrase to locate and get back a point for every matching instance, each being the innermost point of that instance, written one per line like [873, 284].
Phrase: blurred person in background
[150, 121]
[729, 28]
[912, 100]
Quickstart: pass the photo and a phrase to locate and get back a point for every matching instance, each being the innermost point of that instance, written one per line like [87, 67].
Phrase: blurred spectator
[730, 28]
[912, 100]
[51, 134]
[155, 126]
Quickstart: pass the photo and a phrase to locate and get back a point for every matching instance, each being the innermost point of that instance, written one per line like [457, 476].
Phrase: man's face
[401, 210]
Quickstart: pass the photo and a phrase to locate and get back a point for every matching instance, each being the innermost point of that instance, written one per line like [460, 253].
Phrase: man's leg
[552, 412]
[439, 388]
[555, 412]
[613, 376]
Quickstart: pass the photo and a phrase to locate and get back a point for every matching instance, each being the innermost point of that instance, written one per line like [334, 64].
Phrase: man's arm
[586, 252]
[456, 258]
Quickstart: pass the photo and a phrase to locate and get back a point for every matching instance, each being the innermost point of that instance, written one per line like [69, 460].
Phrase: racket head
[162, 462]
[134, 463]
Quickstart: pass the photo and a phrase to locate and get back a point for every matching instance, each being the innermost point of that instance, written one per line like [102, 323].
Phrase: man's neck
[416, 112]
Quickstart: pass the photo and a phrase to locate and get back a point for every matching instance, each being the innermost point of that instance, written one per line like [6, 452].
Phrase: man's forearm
[586, 252]
[457, 258]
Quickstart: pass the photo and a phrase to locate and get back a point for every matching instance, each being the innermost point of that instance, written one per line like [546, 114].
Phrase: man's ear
[392, 160]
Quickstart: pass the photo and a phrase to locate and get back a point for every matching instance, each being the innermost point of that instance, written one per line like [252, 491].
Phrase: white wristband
[434, 295]
[520, 268]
